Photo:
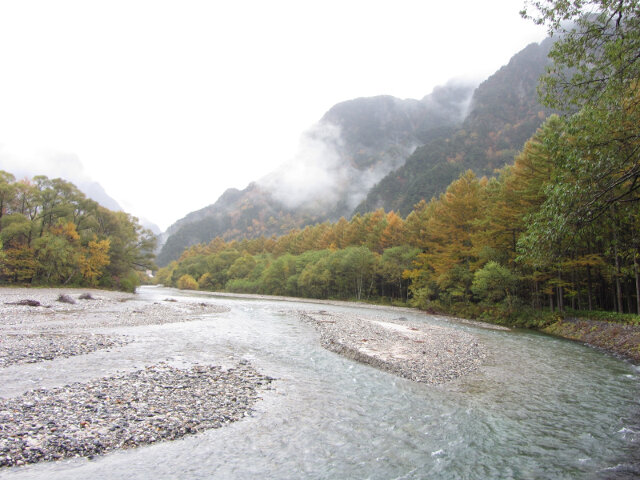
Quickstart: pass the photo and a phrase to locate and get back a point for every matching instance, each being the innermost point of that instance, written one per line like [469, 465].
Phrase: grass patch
[612, 317]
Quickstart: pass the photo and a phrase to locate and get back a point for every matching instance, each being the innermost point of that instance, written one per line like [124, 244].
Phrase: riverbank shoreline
[616, 339]
[129, 409]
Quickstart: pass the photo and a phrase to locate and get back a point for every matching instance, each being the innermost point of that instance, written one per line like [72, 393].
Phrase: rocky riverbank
[158, 402]
[416, 351]
[619, 339]
[17, 348]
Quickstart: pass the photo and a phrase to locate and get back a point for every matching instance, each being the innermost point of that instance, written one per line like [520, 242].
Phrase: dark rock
[64, 298]
[26, 302]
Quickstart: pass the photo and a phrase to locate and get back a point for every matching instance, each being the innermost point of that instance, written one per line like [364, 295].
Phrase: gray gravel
[157, 403]
[16, 348]
[54, 329]
[416, 351]
[104, 309]
[162, 402]
[124, 411]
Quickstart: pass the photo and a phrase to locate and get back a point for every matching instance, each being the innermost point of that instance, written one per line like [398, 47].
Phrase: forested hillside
[504, 113]
[381, 151]
[52, 234]
[237, 213]
[557, 228]
[352, 147]
[467, 251]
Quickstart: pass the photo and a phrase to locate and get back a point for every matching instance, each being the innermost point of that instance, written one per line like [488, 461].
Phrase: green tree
[58, 253]
[314, 279]
[393, 263]
[275, 279]
[132, 246]
[242, 267]
[596, 70]
[7, 192]
[595, 59]
[358, 267]
[493, 282]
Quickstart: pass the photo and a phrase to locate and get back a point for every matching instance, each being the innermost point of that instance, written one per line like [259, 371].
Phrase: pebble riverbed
[416, 351]
[124, 411]
[158, 402]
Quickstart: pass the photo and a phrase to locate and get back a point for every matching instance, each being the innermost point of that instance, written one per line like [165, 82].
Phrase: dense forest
[52, 234]
[558, 228]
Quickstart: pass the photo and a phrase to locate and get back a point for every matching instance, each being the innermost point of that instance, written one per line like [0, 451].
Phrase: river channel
[538, 408]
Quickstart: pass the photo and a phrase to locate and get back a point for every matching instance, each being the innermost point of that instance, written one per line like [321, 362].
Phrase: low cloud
[315, 175]
[23, 162]
[26, 163]
[323, 175]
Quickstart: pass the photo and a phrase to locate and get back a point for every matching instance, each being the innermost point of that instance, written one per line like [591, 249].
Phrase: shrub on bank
[187, 282]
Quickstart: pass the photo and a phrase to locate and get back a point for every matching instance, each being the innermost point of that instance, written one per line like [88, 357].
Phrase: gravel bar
[17, 348]
[124, 411]
[159, 402]
[416, 351]
[55, 328]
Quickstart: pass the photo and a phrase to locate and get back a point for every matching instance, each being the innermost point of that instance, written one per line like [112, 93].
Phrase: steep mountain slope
[504, 113]
[354, 146]
[358, 157]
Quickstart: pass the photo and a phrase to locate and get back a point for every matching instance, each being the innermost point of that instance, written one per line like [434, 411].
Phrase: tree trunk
[577, 290]
[589, 287]
[636, 271]
[560, 292]
[560, 299]
[618, 275]
[617, 261]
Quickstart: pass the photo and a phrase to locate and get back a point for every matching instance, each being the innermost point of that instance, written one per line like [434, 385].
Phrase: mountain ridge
[380, 151]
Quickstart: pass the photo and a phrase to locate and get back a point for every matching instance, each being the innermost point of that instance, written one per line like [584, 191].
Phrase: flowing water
[540, 407]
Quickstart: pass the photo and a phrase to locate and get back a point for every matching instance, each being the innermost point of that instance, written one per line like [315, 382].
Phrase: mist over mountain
[356, 144]
[380, 151]
[351, 148]
[55, 165]
[503, 114]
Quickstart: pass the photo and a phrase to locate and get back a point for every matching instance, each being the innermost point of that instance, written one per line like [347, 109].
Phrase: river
[539, 408]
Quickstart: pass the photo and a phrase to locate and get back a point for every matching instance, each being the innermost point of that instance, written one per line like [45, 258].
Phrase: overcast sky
[168, 103]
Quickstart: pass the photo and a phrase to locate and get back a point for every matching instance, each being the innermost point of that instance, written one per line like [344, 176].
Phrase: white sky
[168, 103]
